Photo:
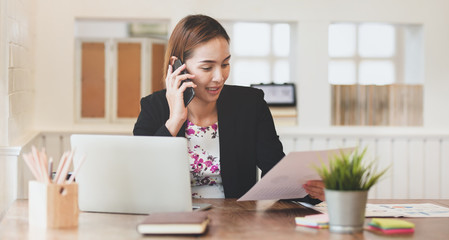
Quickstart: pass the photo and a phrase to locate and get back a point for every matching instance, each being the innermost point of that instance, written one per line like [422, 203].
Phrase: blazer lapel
[226, 127]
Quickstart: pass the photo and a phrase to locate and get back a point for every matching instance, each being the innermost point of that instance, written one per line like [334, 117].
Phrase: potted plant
[347, 181]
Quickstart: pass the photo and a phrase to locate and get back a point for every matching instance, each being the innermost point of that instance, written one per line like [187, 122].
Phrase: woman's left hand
[315, 188]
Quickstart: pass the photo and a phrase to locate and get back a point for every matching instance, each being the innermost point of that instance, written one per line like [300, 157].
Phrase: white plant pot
[346, 210]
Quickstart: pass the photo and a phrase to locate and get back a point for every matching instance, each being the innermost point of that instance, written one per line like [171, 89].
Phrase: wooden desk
[230, 220]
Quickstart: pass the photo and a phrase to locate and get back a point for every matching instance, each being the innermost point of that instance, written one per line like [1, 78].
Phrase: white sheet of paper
[285, 179]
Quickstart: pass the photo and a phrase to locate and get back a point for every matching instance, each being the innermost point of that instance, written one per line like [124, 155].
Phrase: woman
[229, 129]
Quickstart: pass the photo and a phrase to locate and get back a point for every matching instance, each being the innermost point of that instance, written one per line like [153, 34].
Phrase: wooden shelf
[284, 116]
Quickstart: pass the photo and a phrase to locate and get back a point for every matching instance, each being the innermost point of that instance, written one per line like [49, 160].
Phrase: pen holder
[53, 205]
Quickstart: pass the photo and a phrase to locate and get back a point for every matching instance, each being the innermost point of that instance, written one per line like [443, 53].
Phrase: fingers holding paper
[315, 188]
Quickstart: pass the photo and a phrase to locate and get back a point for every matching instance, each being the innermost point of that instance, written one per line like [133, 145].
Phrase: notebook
[132, 174]
[174, 223]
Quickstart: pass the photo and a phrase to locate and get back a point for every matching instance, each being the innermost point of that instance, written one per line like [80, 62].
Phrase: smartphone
[189, 93]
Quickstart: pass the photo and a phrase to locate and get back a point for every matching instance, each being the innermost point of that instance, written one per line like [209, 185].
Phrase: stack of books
[391, 226]
[313, 221]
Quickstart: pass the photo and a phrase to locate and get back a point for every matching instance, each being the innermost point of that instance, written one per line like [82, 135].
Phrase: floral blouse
[204, 155]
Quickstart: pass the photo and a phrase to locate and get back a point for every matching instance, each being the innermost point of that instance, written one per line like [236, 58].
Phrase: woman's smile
[213, 90]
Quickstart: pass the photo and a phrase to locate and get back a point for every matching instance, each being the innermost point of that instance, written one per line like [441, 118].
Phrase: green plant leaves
[347, 172]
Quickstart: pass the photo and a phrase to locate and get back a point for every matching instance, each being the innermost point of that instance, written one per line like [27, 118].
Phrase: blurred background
[369, 73]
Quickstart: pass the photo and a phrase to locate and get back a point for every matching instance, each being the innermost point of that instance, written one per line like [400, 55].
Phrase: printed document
[285, 179]
[394, 210]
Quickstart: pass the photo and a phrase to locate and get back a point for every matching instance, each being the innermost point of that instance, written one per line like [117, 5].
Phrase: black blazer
[247, 135]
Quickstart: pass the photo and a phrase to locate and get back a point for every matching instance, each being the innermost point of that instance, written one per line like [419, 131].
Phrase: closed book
[174, 223]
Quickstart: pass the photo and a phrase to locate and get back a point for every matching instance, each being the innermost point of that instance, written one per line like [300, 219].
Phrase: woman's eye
[206, 68]
[225, 65]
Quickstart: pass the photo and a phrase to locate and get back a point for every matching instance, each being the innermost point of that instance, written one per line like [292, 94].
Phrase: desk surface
[229, 220]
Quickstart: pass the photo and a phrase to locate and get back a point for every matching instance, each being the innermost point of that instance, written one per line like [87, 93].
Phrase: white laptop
[132, 174]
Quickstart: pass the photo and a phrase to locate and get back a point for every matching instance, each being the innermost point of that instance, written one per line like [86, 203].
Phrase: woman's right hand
[315, 189]
[175, 95]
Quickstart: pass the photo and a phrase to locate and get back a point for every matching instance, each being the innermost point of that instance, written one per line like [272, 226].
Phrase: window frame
[396, 59]
[271, 58]
[399, 62]
[111, 74]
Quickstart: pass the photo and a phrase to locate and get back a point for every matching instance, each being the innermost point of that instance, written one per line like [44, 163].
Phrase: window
[376, 74]
[261, 52]
[117, 64]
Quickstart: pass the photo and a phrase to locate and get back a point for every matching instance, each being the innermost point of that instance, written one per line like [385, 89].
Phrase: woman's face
[210, 65]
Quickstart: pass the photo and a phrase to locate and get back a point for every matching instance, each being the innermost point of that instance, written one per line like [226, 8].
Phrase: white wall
[18, 70]
[8, 177]
[4, 103]
[55, 47]
[16, 90]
